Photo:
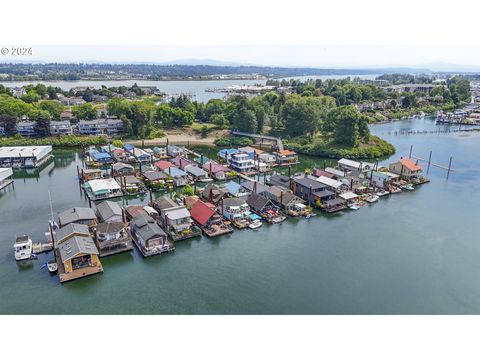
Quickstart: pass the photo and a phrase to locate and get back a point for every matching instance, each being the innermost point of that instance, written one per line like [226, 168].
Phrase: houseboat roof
[181, 162]
[75, 214]
[201, 212]
[334, 202]
[233, 187]
[77, 245]
[280, 179]
[257, 202]
[107, 148]
[329, 182]
[92, 171]
[100, 155]
[130, 179]
[323, 193]
[24, 151]
[164, 202]
[335, 172]
[154, 175]
[410, 165]
[109, 227]
[309, 182]
[163, 164]
[195, 170]
[72, 228]
[234, 201]
[354, 164]
[318, 173]
[128, 147]
[5, 173]
[119, 166]
[216, 167]
[216, 191]
[146, 227]
[99, 186]
[107, 209]
[285, 152]
[180, 213]
[189, 201]
[249, 185]
[348, 196]
[140, 153]
[224, 153]
[134, 211]
[175, 172]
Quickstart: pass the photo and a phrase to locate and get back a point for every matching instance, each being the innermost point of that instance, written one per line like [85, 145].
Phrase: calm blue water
[413, 253]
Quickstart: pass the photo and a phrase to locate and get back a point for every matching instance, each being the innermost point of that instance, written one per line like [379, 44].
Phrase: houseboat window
[81, 262]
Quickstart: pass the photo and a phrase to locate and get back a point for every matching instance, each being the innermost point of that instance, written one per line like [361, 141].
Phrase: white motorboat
[255, 224]
[279, 219]
[354, 207]
[52, 266]
[408, 187]
[382, 193]
[372, 198]
[23, 248]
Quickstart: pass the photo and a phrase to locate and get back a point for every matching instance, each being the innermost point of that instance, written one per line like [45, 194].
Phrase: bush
[233, 141]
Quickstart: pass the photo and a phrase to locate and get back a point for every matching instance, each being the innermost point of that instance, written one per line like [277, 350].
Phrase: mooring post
[449, 167]
[429, 161]
[410, 155]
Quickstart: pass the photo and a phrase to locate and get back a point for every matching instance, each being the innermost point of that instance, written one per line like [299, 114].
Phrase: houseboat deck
[158, 251]
[217, 230]
[5, 183]
[117, 248]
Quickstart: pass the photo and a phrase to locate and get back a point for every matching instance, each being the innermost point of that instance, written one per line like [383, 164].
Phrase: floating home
[101, 189]
[241, 162]
[216, 171]
[163, 165]
[6, 175]
[236, 210]
[122, 169]
[160, 152]
[305, 187]
[112, 237]
[236, 190]
[265, 208]
[351, 165]
[286, 200]
[77, 215]
[131, 184]
[197, 174]
[279, 180]
[120, 155]
[109, 211]
[285, 157]
[407, 169]
[155, 179]
[182, 162]
[91, 174]
[214, 193]
[179, 177]
[210, 222]
[174, 151]
[175, 219]
[24, 156]
[149, 237]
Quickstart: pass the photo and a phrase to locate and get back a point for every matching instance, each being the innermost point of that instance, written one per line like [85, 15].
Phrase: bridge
[261, 137]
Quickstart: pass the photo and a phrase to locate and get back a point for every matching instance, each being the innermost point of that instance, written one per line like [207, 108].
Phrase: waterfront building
[112, 237]
[163, 165]
[6, 175]
[24, 156]
[174, 151]
[216, 171]
[226, 153]
[77, 215]
[407, 169]
[98, 189]
[70, 230]
[91, 174]
[235, 209]
[181, 162]
[122, 169]
[264, 207]
[251, 152]
[214, 193]
[351, 165]
[108, 148]
[285, 157]
[131, 184]
[141, 155]
[60, 128]
[382, 179]
[197, 174]
[305, 187]
[332, 184]
[322, 195]
[236, 190]
[283, 198]
[114, 126]
[175, 219]
[101, 157]
[179, 177]
[155, 178]
[133, 211]
[279, 180]
[149, 237]
[109, 211]
[334, 173]
[160, 152]
[100, 126]
[241, 162]
[27, 128]
[208, 219]
[334, 205]
[78, 258]
[120, 155]
[254, 187]
[267, 158]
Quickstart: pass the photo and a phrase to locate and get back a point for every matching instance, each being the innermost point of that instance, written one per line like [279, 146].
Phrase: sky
[437, 58]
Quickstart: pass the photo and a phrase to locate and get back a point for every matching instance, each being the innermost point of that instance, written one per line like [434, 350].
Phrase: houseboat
[112, 237]
[209, 221]
[149, 237]
[265, 208]
[101, 189]
[77, 215]
[237, 211]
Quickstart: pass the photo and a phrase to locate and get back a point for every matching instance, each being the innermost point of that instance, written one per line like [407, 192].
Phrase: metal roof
[76, 214]
[108, 209]
[77, 245]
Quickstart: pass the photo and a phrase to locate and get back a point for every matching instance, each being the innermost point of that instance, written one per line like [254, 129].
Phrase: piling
[449, 167]
[429, 161]
[410, 155]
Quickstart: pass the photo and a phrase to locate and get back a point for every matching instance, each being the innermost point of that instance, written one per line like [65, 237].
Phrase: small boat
[255, 224]
[372, 198]
[354, 207]
[278, 219]
[52, 266]
[310, 215]
[408, 187]
[23, 248]
[382, 193]
[205, 180]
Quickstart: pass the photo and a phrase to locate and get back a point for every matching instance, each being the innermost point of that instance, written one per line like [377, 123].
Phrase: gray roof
[179, 213]
[130, 179]
[249, 185]
[234, 201]
[280, 180]
[335, 202]
[77, 245]
[195, 171]
[257, 202]
[146, 227]
[154, 175]
[288, 198]
[119, 166]
[307, 182]
[107, 209]
[164, 202]
[70, 229]
[217, 192]
[323, 193]
[109, 227]
[75, 214]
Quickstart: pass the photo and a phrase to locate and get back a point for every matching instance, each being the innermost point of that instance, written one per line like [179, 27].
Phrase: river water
[196, 88]
[413, 253]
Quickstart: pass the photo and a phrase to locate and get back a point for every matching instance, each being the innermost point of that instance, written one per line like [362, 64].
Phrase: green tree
[219, 120]
[84, 112]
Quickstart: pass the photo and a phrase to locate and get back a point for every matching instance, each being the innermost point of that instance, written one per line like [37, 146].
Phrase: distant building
[26, 128]
[60, 127]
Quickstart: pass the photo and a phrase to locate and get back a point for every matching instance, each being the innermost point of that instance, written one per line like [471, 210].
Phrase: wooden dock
[5, 184]
[40, 247]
